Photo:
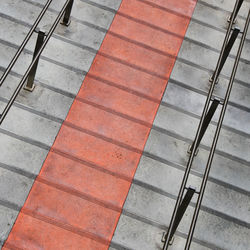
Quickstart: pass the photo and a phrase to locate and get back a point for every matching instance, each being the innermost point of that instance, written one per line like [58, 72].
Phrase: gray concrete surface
[33, 122]
[224, 220]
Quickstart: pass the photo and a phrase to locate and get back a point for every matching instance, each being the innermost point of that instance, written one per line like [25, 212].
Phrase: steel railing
[40, 46]
[183, 202]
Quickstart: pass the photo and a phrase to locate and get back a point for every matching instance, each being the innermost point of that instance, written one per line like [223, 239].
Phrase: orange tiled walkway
[76, 201]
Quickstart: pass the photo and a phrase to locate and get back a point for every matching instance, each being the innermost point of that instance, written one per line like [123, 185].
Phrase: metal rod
[227, 51]
[30, 82]
[237, 6]
[216, 136]
[22, 82]
[191, 157]
[182, 209]
[19, 51]
[206, 122]
[66, 19]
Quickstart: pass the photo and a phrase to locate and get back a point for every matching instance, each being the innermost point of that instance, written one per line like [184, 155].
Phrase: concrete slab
[192, 103]
[207, 59]
[213, 39]
[227, 5]
[31, 126]
[7, 218]
[185, 126]
[14, 187]
[21, 156]
[86, 11]
[42, 100]
[58, 77]
[213, 16]
[197, 80]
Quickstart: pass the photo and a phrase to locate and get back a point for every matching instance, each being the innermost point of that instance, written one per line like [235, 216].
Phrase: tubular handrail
[195, 143]
[25, 41]
[216, 136]
[35, 59]
[172, 226]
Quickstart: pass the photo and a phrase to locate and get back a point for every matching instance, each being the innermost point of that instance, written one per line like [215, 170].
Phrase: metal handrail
[191, 157]
[25, 41]
[168, 236]
[68, 3]
[216, 136]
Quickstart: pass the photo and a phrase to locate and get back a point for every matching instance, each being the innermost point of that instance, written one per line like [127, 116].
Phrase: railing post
[180, 212]
[30, 82]
[205, 124]
[66, 19]
[237, 11]
[226, 53]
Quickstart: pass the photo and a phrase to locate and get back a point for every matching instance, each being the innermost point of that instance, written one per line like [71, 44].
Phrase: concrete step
[207, 59]
[213, 39]
[81, 11]
[14, 187]
[197, 79]
[227, 6]
[21, 156]
[155, 209]
[7, 219]
[30, 125]
[57, 50]
[214, 17]
[135, 234]
[185, 126]
[221, 200]
[42, 100]
[170, 150]
[191, 102]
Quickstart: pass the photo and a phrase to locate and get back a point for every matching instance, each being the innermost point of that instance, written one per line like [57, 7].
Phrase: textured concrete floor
[33, 123]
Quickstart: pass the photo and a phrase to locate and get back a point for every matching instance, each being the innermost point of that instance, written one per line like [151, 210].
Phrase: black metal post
[227, 50]
[66, 19]
[39, 42]
[205, 124]
[237, 6]
[181, 211]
